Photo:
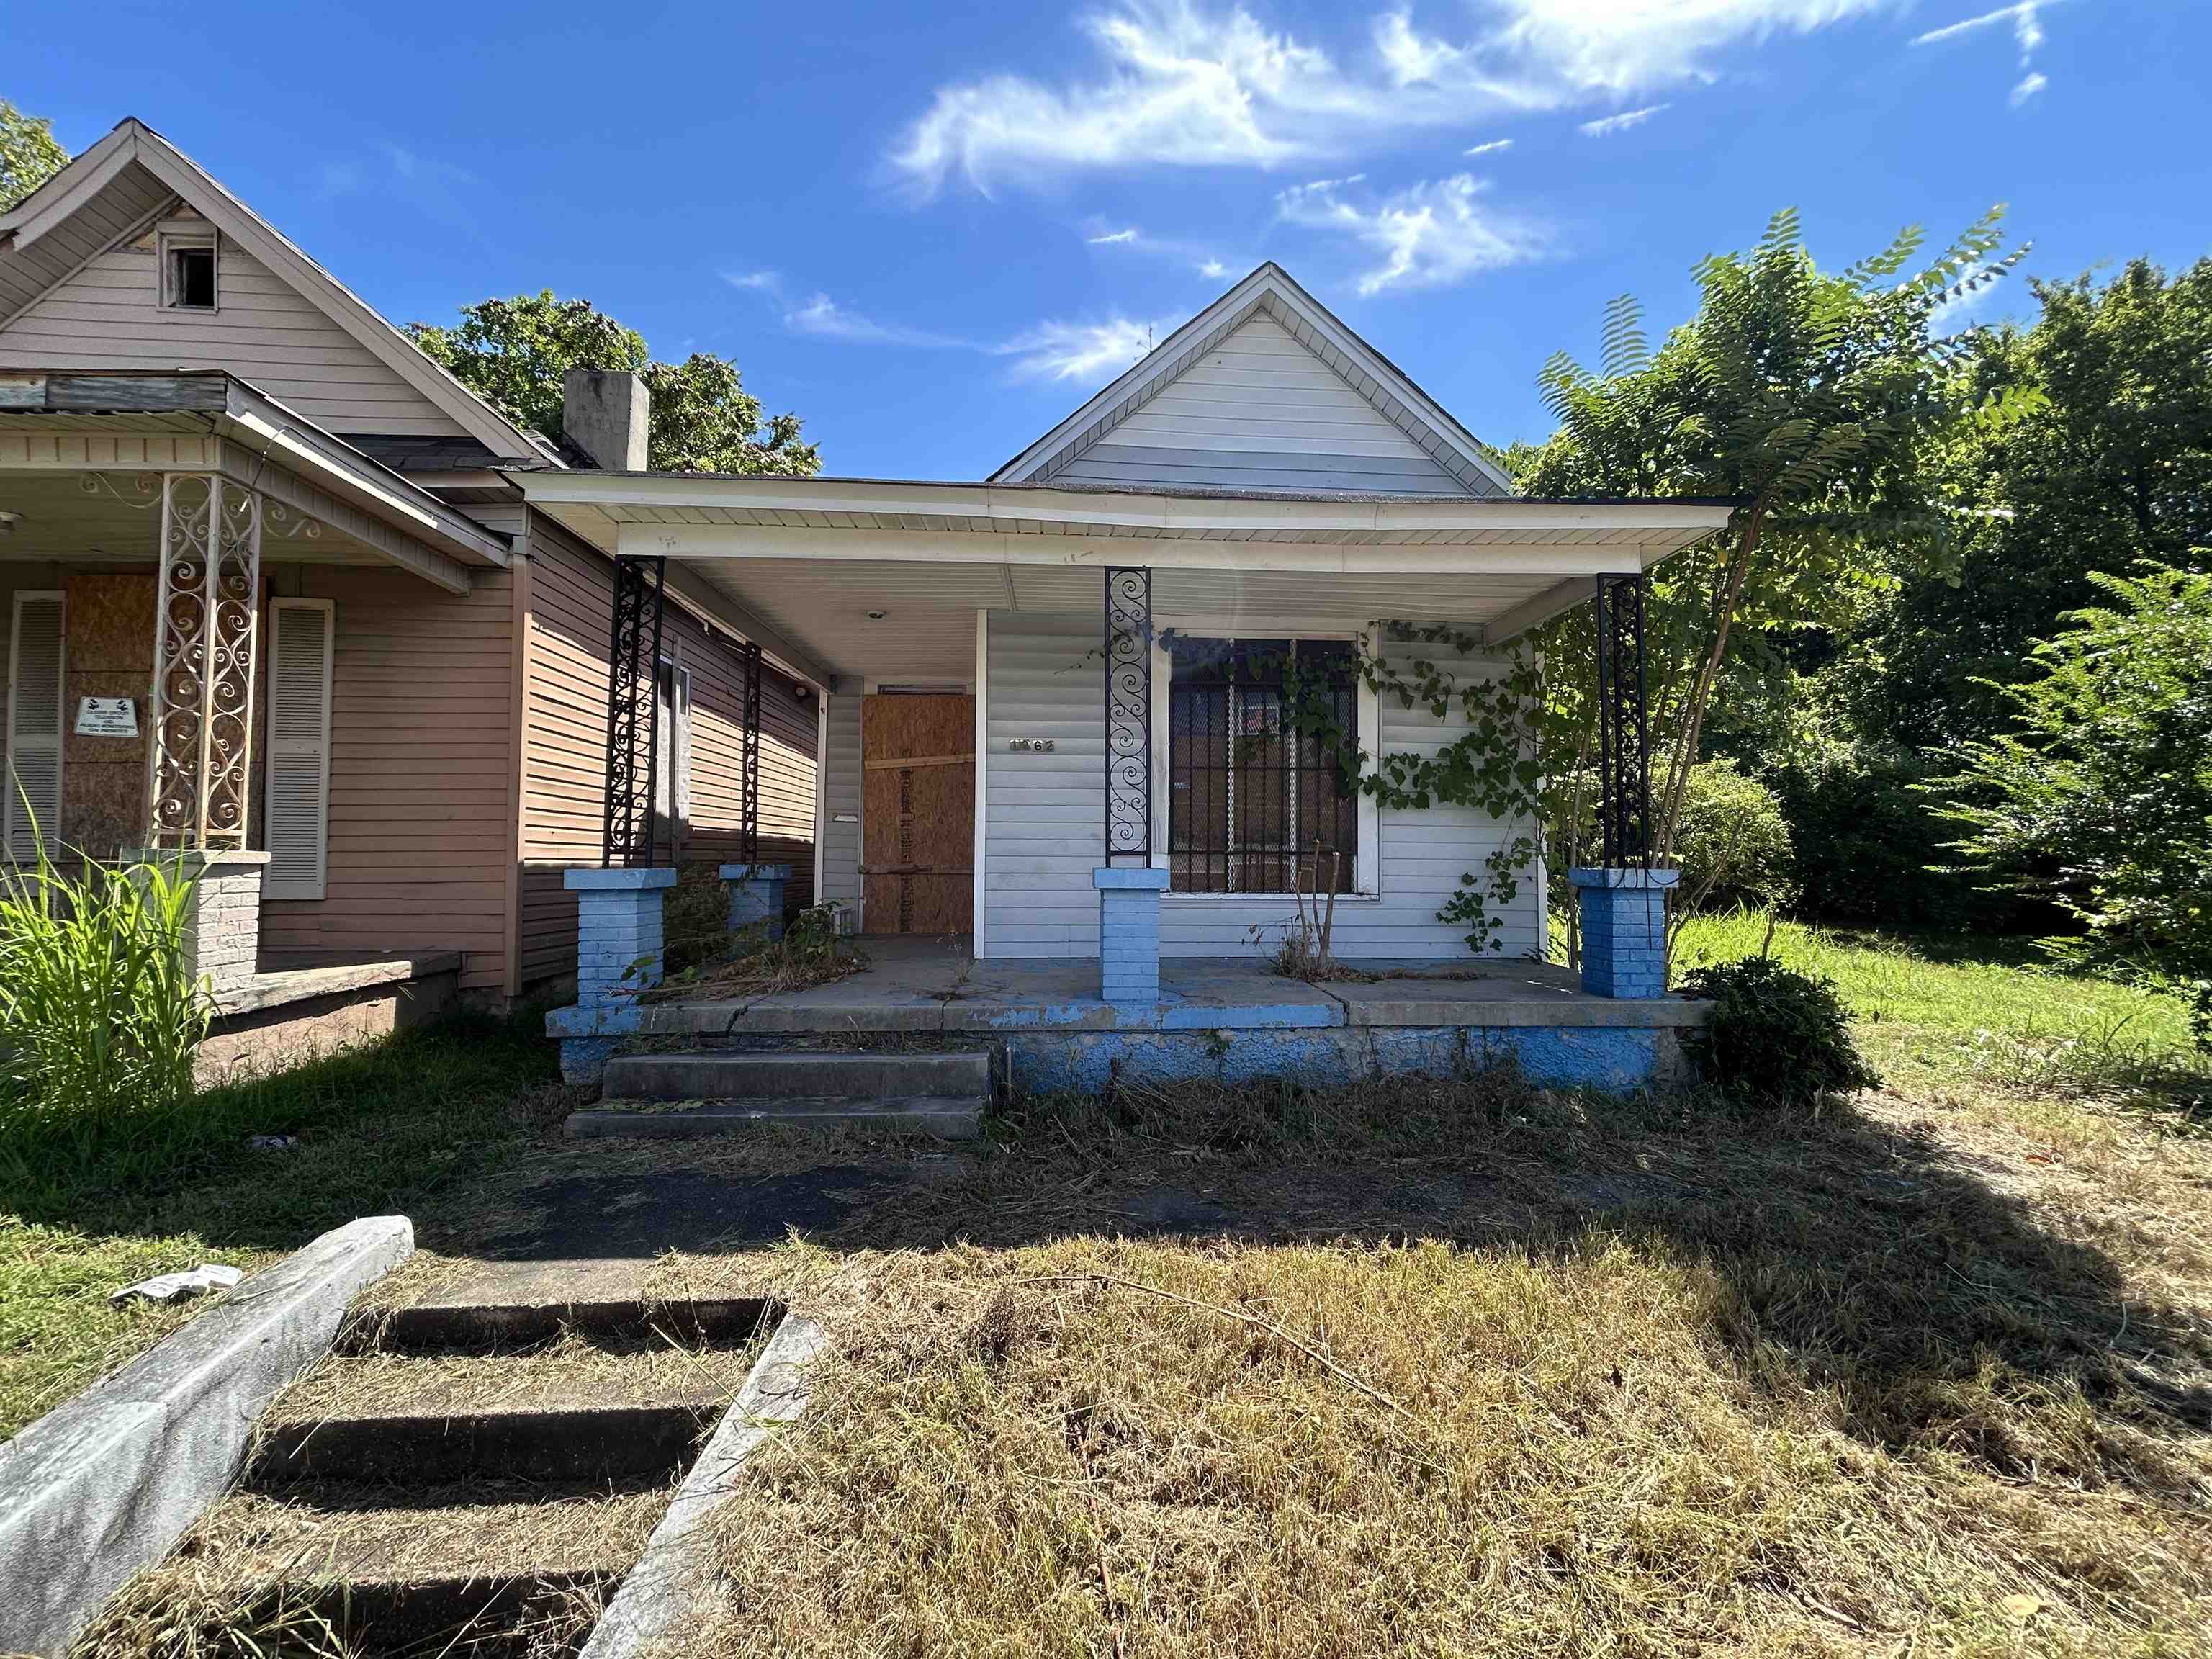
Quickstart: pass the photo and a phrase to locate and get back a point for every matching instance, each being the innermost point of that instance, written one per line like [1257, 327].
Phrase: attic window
[188, 273]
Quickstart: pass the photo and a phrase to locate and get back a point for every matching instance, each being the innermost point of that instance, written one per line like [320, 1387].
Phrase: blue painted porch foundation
[757, 896]
[1130, 933]
[1624, 916]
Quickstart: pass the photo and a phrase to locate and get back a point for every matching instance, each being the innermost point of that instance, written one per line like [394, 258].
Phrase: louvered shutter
[299, 775]
[36, 695]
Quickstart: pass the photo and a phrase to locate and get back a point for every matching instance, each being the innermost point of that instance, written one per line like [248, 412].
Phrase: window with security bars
[1253, 805]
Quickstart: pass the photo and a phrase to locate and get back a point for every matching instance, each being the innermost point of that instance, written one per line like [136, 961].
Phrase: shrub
[694, 919]
[99, 1017]
[1774, 1037]
[1732, 842]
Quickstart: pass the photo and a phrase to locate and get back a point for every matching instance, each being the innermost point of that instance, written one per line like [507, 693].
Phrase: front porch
[1224, 1019]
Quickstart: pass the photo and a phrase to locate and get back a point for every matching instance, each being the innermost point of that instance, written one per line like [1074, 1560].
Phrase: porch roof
[883, 578]
[78, 422]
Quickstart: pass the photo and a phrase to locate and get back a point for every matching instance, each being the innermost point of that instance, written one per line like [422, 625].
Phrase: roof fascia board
[272, 429]
[33, 218]
[344, 306]
[715, 542]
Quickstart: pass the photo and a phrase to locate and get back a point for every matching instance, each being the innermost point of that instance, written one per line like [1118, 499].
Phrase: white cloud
[1111, 237]
[1605, 126]
[2028, 85]
[2027, 35]
[1214, 268]
[1491, 149]
[1428, 236]
[1076, 351]
[763, 281]
[825, 318]
[1177, 83]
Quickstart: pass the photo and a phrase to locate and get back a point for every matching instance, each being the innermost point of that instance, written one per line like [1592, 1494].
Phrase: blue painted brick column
[618, 936]
[1130, 933]
[1624, 930]
[757, 896]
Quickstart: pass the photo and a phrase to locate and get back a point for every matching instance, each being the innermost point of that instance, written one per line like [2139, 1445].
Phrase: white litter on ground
[169, 1287]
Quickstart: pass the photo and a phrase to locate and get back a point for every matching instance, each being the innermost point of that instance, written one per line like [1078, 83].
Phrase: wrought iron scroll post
[200, 760]
[1129, 714]
[1624, 733]
[748, 799]
[634, 712]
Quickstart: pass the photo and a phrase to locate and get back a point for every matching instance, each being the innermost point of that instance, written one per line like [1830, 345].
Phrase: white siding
[1044, 834]
[841, 774]
[1261, 411]
[1044, 829]
[107, 317]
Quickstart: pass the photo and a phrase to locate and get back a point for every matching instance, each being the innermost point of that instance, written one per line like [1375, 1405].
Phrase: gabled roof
[1269, 290]
[114, 189]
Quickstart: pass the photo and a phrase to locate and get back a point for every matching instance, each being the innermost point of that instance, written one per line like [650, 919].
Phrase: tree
[515, 352]
[29, 153]
[2113, 466]
[2101, 792]
[1814, 401]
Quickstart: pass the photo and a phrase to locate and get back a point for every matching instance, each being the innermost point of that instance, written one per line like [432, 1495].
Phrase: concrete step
[604, 1443]
[489, 1569]
[949, 1117]
[483, 1327]
[728, 1076]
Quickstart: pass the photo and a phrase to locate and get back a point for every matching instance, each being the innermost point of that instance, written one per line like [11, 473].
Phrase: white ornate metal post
[200, 758]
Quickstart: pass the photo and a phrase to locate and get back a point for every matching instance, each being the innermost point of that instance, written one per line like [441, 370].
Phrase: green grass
[388, 1127]
[1967, 1017]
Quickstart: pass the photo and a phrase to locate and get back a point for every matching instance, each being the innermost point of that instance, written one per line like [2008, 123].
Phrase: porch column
[619, 932]
[200, 749]
[1624, 900]
[1128, 887]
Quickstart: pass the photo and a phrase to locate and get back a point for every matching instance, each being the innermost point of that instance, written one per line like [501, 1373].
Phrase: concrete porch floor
[934, 984]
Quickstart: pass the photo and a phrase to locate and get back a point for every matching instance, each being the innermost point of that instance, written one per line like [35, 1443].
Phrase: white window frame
[168, 242]
[273, 886]
[13, 805]
[1367, 860]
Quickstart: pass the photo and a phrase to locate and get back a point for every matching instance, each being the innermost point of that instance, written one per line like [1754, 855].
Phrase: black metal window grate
[1253, 805]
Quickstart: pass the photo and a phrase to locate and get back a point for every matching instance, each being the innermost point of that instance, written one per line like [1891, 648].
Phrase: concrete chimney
[606, 412]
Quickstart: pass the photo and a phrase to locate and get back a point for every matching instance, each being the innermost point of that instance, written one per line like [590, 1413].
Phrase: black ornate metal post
[1129, 715]
[634, 711]
[1624, 737]
[749, 797]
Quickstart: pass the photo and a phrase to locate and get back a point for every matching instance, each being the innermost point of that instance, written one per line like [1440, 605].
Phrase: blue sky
[934, 231]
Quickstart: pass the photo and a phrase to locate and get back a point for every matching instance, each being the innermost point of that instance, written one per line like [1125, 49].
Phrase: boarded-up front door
[918, 814]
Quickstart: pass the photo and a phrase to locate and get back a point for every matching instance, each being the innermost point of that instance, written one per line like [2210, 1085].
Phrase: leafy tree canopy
[515, 352]
[2101, 792]
[2114, 466]
[29, 153]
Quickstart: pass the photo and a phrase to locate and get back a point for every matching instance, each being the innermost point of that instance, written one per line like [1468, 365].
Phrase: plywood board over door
[918, 814]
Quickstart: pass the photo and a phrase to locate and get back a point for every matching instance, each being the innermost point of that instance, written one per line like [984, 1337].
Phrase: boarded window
[35, 699]
[1254, 805]
[299, 789]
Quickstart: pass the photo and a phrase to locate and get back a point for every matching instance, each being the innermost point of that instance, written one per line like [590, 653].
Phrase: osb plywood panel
[919, 821]
[109, 653]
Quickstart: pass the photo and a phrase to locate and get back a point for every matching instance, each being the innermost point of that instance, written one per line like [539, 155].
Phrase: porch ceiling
[116, 522]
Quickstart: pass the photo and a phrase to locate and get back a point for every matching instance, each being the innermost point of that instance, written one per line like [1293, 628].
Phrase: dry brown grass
[1650, 1383]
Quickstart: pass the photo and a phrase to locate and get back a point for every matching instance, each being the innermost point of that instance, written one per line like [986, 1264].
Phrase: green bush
[99, 1018]
[1774, 1036]
[694, 919]
[1732, 842]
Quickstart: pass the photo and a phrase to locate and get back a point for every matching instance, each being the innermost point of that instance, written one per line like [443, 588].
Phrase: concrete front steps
[467, 1479]
[673, 1096]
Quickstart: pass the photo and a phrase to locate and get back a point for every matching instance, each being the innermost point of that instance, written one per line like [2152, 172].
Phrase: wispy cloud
[1214, 268]
[1430, 235]
[1605, 126]
[1114, 236]
[1491, 149]
[1077, 351]
[760, 282]
[442, 191]
[2026, 33]
[1183, 83]
[825, 319]
[1201, 257]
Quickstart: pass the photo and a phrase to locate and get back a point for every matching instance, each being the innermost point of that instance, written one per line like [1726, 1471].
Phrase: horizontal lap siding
[421, 683]
[564, 747]
[1044, 814]
[107, 317]
[1259, 411]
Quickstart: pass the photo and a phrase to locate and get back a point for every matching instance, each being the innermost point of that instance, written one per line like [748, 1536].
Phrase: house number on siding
[1031, 746]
